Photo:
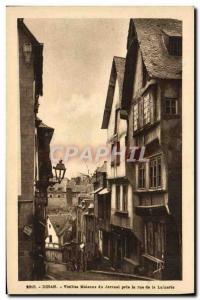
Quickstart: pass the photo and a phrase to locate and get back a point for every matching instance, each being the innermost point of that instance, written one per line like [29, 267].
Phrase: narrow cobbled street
[58, 272]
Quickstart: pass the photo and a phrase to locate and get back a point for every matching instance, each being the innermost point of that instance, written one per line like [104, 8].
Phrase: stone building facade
[126, 226]
[143, 111]
[152, 98]
[35, 167]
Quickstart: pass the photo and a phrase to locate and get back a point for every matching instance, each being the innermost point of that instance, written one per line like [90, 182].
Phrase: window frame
[175, 46]
[125, 198]
[146, 109]
[115, 159]
[170, 107]
[117, 203]
[142, 167]
[143, 112]
[135, 117]
[155, 243]
[155, 172]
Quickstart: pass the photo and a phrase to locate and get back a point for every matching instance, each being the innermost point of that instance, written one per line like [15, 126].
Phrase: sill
[146, 127]
[121, 212]
[142, 190]
[150, 190]
[156, 189]
[115, 165]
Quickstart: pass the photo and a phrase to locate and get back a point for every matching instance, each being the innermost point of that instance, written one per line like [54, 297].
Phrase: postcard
[100, 150]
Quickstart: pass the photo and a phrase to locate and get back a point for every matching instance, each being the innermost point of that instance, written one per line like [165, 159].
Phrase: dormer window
[175, 45]
[171, 106]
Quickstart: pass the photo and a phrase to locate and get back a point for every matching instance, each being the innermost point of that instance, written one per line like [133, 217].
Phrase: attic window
[171, 106]
[175, 45]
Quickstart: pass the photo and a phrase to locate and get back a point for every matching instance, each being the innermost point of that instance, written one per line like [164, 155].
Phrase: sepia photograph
[99, 139]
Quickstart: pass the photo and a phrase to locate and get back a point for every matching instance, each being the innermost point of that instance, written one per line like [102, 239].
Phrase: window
[117, 197]
[146, 109]
[155, 239]
[115, 154]
[141, 176]
[116, 118]
[50, 238]
[143, 112]
[175, 45]
[171, 106]
[112, 155]
[125, 198]
[118, 155]
[135, 116]
[155, 172]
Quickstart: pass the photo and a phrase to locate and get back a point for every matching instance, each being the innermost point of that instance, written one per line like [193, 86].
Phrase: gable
[117, 75]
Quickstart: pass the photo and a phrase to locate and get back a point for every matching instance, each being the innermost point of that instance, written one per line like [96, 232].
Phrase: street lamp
[59, 171]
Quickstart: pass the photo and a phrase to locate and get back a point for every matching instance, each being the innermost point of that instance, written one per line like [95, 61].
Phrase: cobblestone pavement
[57, 272]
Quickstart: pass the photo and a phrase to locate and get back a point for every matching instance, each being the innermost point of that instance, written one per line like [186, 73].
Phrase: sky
[77, 62]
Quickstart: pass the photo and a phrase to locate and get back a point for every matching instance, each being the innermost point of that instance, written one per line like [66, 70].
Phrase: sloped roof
[60, 222]
[21, 24]
[118, 68]
[103, 168]
[150, 34]
[42, 125]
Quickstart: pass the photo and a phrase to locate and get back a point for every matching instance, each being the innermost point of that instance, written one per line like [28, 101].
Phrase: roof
[120, 68]
[151, 34]
[103, 168]
[21, 24]
[61, 222]
[42, 125]
[117, 72]
[104, 191]
[44, 131]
